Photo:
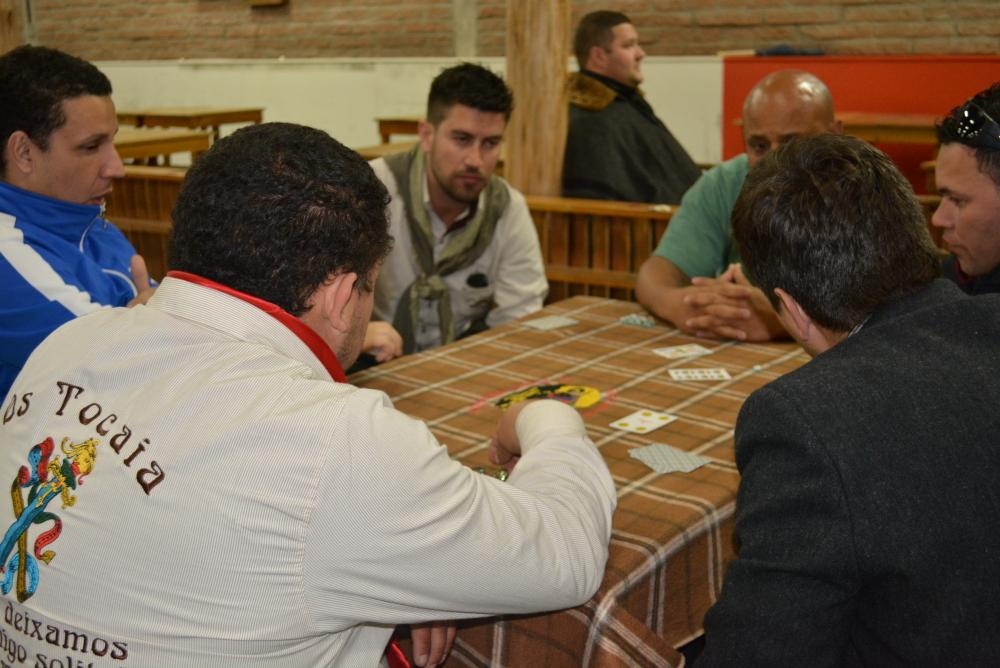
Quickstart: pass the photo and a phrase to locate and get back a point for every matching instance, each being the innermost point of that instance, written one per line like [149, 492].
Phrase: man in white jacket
[194, 482]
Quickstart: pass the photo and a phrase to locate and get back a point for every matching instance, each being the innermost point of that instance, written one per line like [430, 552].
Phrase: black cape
[617, 148]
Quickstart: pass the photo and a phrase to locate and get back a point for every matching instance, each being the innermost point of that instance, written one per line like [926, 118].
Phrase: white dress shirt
[512, 266]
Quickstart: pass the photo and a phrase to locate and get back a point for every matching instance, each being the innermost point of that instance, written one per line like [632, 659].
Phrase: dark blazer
[868, 515]
[973, 285]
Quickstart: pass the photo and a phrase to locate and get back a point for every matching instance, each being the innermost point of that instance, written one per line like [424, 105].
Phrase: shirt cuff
[544, 419]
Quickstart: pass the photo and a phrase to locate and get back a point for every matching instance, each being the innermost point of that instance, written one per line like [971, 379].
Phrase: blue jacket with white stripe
[58, 260]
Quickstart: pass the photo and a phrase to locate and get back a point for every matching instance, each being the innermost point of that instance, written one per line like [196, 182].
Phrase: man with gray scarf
[466, 254]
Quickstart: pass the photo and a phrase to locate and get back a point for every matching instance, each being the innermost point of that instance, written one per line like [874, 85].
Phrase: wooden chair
[929, 203]
[590, 247]
[595, 247]
[927, 167]
[397, 125]
[151, 239]
[141, 205]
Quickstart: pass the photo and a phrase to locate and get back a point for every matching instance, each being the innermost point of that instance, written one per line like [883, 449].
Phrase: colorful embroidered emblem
[46, 478]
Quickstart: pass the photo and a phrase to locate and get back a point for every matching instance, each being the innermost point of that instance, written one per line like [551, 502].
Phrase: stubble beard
[458, 191]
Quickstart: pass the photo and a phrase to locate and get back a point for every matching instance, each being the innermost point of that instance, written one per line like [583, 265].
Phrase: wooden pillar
[464, 14]
[9, 37]
[538, 46]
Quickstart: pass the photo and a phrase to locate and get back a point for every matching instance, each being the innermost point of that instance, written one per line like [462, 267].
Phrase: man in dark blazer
[868, 515]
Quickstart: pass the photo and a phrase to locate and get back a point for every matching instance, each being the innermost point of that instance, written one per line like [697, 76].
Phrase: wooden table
[885, 127]
[890, 128]
[397, 125]
[671, 537]
[190, 117]
[382, 150]
[150, 143]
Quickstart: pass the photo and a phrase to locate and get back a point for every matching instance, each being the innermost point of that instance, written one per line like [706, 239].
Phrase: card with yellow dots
[643, 421]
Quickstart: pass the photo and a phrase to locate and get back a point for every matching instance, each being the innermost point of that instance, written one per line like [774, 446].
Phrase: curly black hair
[274, 210]
[34, 81]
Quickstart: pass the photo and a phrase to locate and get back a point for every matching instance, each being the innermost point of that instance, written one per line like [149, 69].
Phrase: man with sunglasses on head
[59, 259]
[967, 172]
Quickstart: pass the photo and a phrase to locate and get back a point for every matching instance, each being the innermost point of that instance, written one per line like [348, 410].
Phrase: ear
[18, 152]
[334, 302]
[597, 59]
[793, 316]
[426, 133]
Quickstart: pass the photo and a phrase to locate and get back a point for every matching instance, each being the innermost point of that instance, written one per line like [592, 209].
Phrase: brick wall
[168, 29]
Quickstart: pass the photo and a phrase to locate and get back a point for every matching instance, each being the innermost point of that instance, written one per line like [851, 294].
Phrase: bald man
[693, 279]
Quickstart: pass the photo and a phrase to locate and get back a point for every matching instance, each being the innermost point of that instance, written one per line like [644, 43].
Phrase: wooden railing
[929, 203]
[141, 205]
[591, 247]
[595, 247]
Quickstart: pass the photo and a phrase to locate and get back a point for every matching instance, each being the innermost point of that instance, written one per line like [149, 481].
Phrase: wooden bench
[929, 203]
[595, 247]
[397, 125]
[153, 145]
[140, 206]
[151, 239]
[590, 247]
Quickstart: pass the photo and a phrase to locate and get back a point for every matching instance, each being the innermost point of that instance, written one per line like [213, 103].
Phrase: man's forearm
[660, 287]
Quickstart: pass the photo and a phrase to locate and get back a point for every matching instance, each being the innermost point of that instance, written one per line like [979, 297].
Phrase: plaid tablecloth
[671, 538]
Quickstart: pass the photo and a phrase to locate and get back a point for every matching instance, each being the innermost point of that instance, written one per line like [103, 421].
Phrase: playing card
[550, 322]
[666, 459]
[699, 374]
[643, 421]
[687, 350]
[637, 319]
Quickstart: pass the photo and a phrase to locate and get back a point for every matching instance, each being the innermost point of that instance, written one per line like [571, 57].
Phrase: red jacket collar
[299, 328]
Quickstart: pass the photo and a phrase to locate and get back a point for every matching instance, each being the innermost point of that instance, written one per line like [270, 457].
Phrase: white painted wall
[344, 96]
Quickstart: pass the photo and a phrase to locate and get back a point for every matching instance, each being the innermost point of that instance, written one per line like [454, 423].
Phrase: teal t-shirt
[699, 238]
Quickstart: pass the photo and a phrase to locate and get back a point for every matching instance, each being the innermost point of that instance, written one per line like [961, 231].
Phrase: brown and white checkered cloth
[671, 537]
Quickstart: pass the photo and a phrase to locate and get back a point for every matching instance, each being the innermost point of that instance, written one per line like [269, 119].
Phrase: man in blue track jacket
[59, 258]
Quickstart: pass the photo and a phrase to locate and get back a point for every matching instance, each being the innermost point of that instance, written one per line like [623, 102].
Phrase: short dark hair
[34, 81]
[987, 160]
[593, 30]
[274, 210]
[470, 85]
[831, 221]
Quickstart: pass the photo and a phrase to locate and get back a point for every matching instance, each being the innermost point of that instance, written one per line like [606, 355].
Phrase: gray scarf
[462, 248]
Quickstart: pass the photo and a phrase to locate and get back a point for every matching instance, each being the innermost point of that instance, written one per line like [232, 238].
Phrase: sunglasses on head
[977, 127]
